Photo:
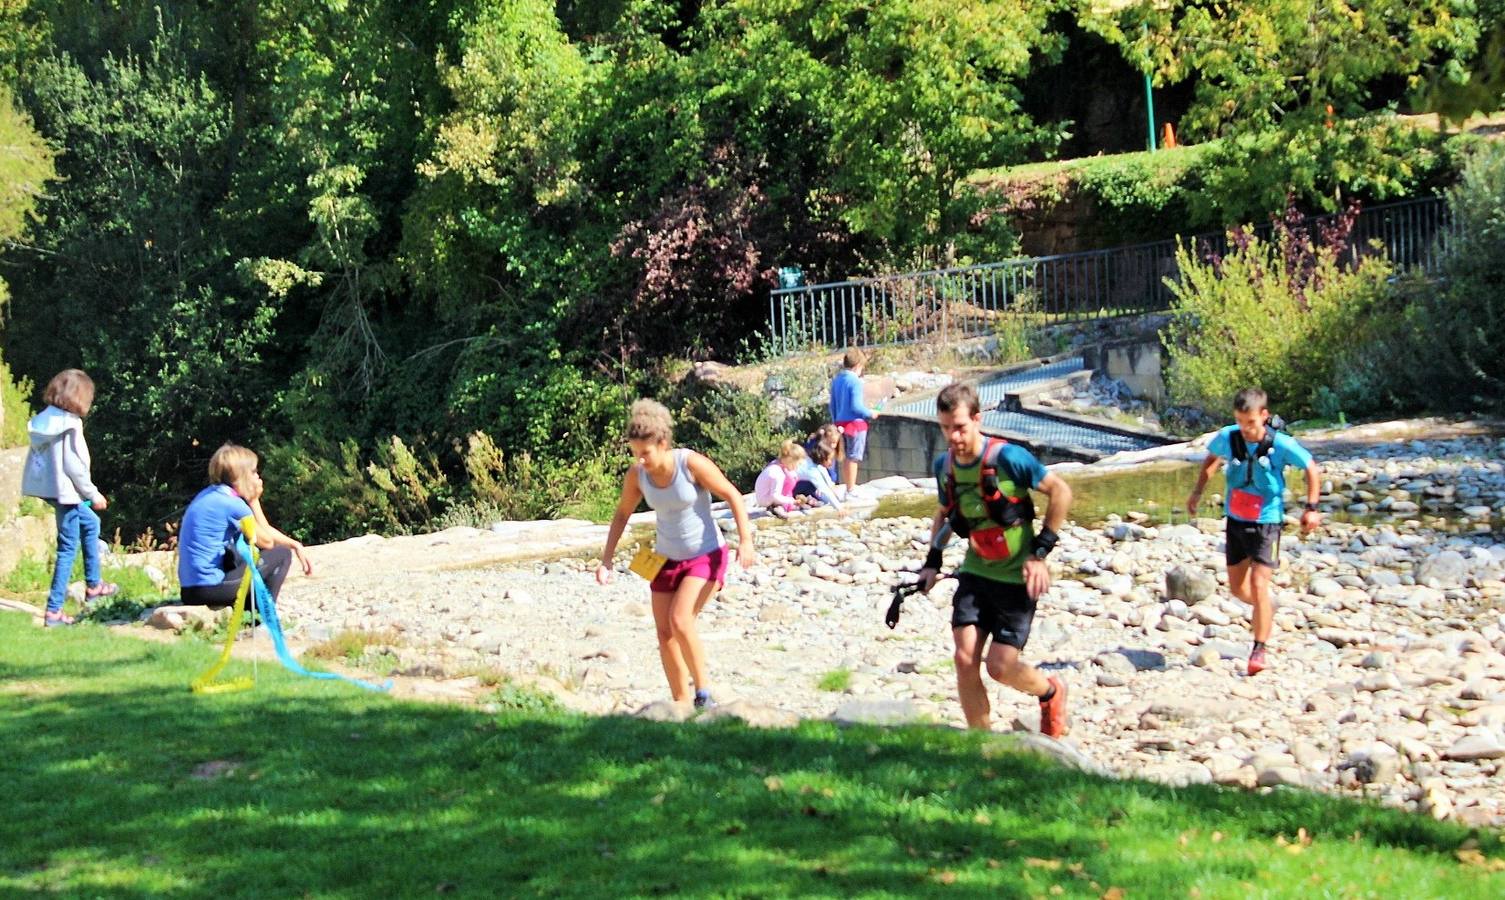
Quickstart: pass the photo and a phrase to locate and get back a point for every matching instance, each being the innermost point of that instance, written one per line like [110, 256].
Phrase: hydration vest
[1261, 451]
[1004, 510]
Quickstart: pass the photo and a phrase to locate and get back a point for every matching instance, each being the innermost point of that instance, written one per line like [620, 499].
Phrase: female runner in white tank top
[678, 483]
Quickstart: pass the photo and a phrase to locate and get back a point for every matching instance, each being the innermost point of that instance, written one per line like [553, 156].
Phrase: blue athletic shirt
[1269, 481]
[210, 525]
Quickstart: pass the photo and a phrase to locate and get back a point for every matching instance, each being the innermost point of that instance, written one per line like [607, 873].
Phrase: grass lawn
[119, 782]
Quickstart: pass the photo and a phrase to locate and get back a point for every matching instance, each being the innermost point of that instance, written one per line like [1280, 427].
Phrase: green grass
[32, 577]
[835, 681]
[119, 782]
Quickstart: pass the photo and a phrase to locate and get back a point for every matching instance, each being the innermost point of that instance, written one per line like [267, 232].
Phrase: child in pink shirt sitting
[774, 489]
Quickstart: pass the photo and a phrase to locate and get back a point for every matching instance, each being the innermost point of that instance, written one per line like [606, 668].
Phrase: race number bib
[1245, 505]
[646, 564]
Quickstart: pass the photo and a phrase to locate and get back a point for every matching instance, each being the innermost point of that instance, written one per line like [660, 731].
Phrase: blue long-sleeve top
[846, 398]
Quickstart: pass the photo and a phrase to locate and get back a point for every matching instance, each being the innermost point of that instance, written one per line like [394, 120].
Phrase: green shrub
[1377, 158]
[352, 645]
[318, 490]
[15, 407]
[515, 698]
[1129, 198]
[1460, 328]
[738, 430]
[1286, 314]
[499, 488]
[32, 578]
[414, 486]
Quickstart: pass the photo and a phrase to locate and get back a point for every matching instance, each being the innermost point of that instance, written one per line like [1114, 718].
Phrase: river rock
[755, 715]
[1192, 585]
[878, 712]
[1378, 763]
[665, 711]
[1445, 569]
[1472, 747]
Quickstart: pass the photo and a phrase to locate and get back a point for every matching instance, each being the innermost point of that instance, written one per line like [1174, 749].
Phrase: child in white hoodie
[57, 470]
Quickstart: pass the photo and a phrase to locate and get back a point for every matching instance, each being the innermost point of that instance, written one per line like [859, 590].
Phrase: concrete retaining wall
[906, 445]
[1134, 362]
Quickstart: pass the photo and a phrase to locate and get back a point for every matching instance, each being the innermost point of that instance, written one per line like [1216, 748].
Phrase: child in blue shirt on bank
[851, 414]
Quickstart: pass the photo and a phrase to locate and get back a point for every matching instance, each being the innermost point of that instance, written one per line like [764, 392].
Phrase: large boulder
[879, 712]
[1445, 569]
[755, 715]
[1192, 585]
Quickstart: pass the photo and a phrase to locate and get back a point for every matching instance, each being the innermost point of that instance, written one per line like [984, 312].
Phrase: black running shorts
[1252, 540]
[999, 609]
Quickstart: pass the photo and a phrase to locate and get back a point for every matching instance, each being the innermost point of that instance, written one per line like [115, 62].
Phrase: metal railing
[971, 301]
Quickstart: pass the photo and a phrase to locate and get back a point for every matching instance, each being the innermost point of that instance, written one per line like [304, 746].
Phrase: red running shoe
[1257, 661]
[1053, 711]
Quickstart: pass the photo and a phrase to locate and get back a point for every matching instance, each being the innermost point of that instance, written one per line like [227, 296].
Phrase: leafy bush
[525, 488]
[1376, 158]
[318, 490]
[32, 578]
[516, 698]
[835, 681]
[1462, 325]
[1285, 314]
[738, 430]
[1129, 198]
[351, 646]
[413, 485]
[15, 408]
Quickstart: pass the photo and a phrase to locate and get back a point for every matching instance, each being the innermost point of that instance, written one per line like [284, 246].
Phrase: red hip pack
[992, 544]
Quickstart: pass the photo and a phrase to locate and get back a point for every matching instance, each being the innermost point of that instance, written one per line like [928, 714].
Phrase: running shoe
[1257, 661]
[1053, 711]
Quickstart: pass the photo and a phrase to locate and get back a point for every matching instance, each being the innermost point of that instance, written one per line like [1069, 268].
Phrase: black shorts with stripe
[1253, 540]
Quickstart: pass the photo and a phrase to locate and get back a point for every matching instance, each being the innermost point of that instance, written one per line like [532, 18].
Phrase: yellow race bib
[646, 564]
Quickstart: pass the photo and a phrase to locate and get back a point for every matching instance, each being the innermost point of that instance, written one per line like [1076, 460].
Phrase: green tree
[913, 96]
[1461, 328]
[26, 164]
[1468, 85]
[490, 239]
[1289, 85]
[126, 273]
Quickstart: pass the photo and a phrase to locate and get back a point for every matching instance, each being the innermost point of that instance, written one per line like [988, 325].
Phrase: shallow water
[1158, 492]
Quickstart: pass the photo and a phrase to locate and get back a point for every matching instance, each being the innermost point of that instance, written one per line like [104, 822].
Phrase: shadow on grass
[323, 789]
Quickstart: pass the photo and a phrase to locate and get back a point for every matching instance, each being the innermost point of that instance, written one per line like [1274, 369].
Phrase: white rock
[1472, 747]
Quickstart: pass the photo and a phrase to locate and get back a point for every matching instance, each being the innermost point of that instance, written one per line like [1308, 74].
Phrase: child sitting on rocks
[774, 490]
[816, 479]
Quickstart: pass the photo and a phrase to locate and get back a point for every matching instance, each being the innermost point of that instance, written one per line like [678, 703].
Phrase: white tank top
[685, 527]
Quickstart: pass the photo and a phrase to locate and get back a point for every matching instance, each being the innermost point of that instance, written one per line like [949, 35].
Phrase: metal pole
[1149, 99]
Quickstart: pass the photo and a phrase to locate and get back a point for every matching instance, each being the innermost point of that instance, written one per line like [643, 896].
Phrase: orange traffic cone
[1168, 136]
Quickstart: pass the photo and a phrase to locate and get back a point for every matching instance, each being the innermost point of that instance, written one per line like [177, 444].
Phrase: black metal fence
[968, 301]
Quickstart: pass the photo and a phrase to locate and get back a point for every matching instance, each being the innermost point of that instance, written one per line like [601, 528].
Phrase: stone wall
[20, 536]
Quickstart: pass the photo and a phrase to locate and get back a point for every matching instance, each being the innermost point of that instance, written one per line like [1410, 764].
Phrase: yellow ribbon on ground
[206, 683]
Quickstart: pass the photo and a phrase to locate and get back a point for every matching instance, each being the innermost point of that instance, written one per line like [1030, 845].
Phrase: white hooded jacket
[57, 468]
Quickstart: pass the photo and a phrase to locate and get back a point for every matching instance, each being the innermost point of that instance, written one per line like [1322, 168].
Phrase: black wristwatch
[1310, 506]
[1045, 542]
